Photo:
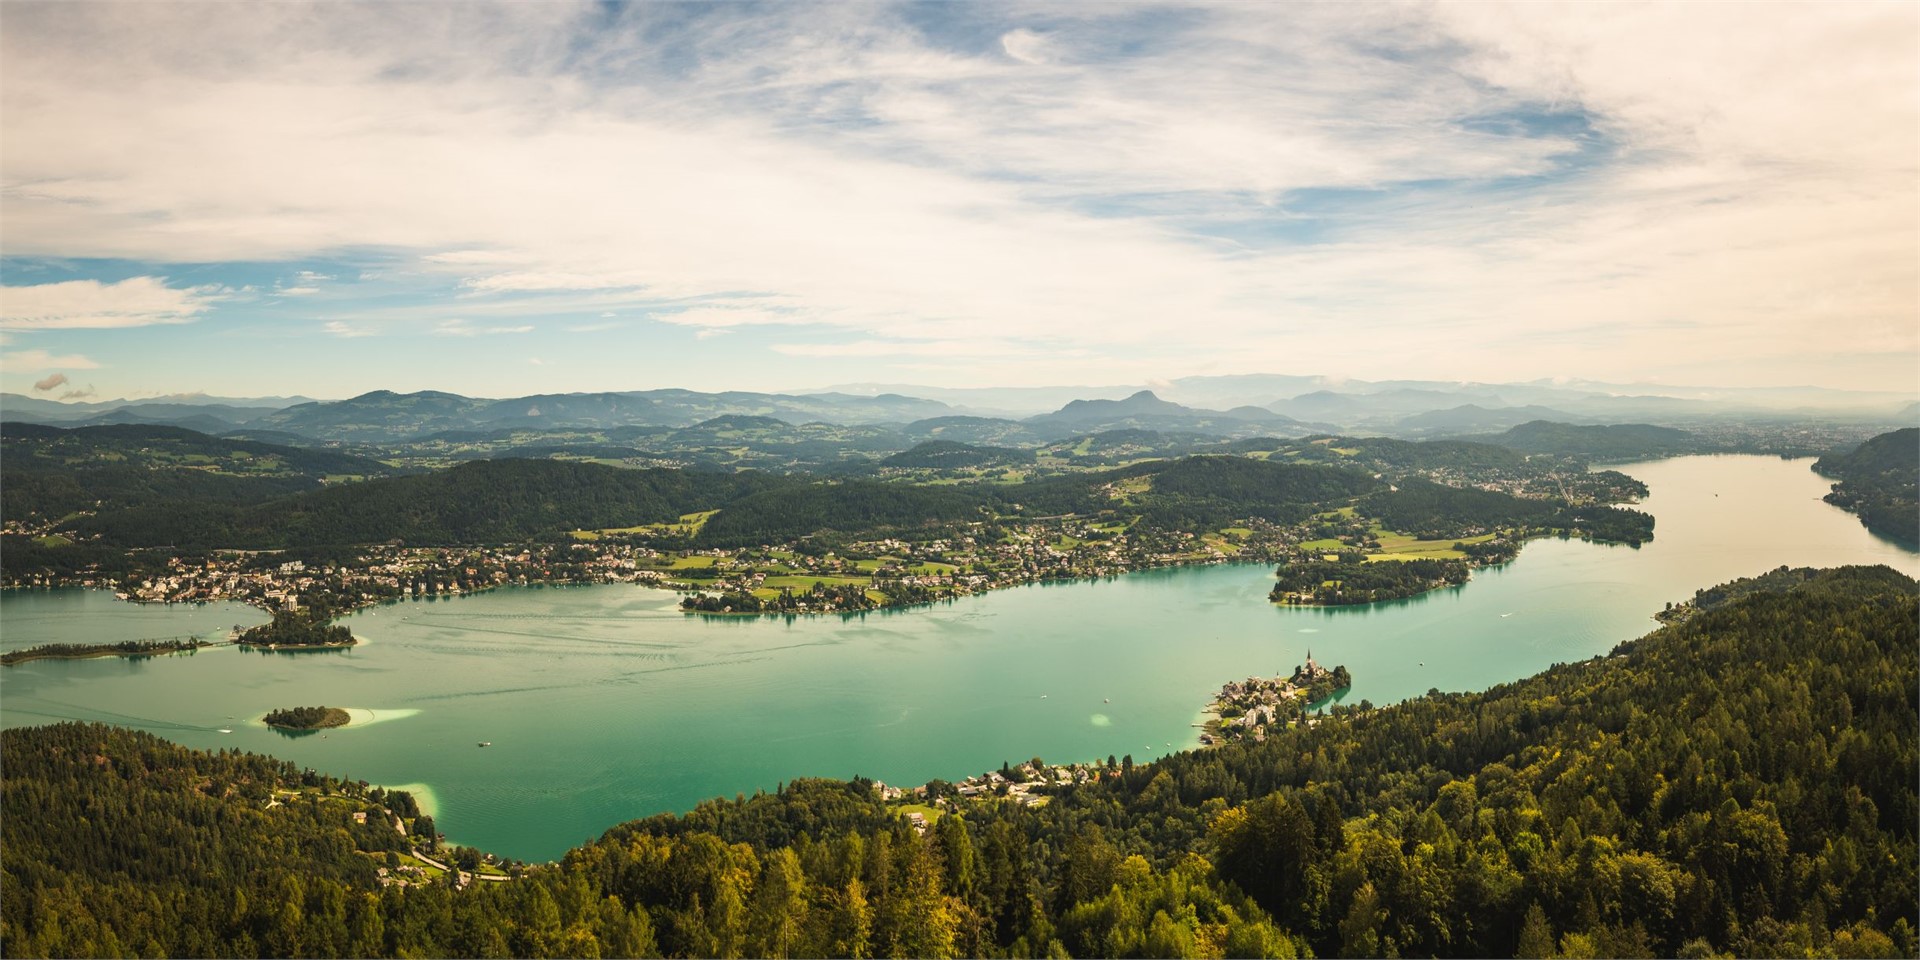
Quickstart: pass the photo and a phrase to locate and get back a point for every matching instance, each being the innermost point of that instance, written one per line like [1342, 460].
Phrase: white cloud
[457, 327]
[905, 348]
[297, 291]
[78, 304]
[736, 317]
[341, 328]
[1364, 185]
[1024, 45]
[33, 361]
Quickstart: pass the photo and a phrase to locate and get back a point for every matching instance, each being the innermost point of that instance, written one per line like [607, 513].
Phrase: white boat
[486, 743]
[225, 730]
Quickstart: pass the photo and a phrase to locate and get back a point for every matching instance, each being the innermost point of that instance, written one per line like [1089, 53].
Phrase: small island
[293, 630]
[307, 718]
[1250, 709]
[82, 651]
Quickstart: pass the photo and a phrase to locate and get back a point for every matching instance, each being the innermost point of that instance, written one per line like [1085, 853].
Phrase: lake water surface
[606, 703]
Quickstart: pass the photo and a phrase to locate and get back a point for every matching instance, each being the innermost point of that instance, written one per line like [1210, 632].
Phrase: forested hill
[1880, 481]
[489, 501]
[1740, 784]
[1615, 442]
[497, 501]
[48, 472]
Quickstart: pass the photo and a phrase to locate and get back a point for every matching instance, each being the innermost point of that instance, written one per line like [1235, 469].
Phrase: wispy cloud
[341, 328]
[79, 304]
[56, 380]
[461, 328]
[33, 361]
[905, 348]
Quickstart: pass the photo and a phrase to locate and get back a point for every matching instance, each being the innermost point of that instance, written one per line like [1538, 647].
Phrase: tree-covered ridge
[1433, 511]
[950, 454]
[1880, 481]
[50, 472]
[34, 445]
[1615, 442]
[492, 501]
[1740, 784]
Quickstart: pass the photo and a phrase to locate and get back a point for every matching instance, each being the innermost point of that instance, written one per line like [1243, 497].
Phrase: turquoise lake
[606, 703]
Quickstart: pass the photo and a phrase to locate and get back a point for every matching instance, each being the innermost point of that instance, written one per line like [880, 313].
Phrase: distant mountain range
[1229, 406]
[1381, 405]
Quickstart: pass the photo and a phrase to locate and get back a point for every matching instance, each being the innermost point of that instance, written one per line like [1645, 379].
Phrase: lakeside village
[1252, 708]
[805, 576]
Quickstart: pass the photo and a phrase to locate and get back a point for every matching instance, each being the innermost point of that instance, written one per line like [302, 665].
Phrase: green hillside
[1739, 784]
[49, 472]
[1880, 481]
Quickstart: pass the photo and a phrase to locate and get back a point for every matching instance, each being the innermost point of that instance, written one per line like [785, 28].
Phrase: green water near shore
[605, 703]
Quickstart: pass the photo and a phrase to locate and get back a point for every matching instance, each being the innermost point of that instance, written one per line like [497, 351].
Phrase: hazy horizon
[501, 200]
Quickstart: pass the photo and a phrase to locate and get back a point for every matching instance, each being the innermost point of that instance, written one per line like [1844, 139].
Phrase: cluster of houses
[380, 573]
[1023, 783]
[1250, 708]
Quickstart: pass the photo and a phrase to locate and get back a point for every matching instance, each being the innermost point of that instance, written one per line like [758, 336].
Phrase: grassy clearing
[807, 580]
[688, 525]
[932, 814]
[53, 540]
[1328, 543]
[1400, 546]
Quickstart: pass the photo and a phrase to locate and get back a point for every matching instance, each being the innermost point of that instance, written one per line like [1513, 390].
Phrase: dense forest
[307, 718]
[496, 501]
[1880, 481]
[1737, 784]
[298, 628]
[1433, 511]
[77, 651]
[1614, 442]
[50, 472]
[1352, 580]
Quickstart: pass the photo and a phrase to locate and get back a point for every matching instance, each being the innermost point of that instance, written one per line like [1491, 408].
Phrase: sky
[320, 200]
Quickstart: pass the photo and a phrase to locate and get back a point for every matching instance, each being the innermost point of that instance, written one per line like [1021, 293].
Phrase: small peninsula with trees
[298, 630]
[84, 651]
[307, 718]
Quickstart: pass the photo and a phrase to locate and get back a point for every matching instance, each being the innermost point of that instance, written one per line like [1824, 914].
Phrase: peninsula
[298, 630]
[1253, 708]
[84, 651]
